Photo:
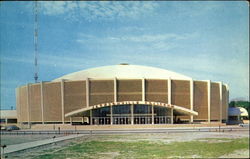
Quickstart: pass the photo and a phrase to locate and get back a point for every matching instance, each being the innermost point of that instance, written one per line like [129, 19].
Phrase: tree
[232, 104]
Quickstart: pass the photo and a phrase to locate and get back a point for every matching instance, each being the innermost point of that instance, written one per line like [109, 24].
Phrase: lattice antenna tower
[36, 40]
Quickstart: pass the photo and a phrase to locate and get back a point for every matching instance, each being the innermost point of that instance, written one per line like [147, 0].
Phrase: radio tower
[36, 39]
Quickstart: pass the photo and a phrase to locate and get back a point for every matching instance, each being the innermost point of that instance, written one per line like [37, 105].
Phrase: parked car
[12, 127]
[3, 127]
[244, 125]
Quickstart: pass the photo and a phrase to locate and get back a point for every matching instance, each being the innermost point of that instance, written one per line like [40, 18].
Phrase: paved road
[27, 145]
[140, 130]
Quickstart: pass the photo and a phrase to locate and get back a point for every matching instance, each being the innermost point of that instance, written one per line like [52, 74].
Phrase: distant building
[237, 115]
[122, 94]
[8, 116]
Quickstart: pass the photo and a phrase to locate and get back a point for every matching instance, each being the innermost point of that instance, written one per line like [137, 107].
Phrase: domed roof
[123, 71]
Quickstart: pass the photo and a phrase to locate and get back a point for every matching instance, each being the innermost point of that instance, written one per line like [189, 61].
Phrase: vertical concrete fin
[90, 114]
[191, 98]
[132, 113]
[209, 100]
[227, 101]
[169, 91]
[172, 115]
[143, 89]
[62, 98]
[42, 101]
[87, 92]
[17, 104]
[220, 85]
[111, 115]
[115, 89]
[152, 107]
[28, 102]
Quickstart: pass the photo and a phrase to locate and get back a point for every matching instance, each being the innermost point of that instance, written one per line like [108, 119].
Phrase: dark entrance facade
[130, 114]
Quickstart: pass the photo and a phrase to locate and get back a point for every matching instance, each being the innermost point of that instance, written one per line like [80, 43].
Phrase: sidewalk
[28, 145]
[108, 127]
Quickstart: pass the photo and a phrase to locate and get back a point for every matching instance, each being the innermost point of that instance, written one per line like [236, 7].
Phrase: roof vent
[123, 64]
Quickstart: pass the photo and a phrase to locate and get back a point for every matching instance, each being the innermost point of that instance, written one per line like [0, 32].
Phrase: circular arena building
[122, 94]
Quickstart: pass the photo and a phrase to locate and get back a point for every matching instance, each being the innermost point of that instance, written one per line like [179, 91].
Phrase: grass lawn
[101, 148]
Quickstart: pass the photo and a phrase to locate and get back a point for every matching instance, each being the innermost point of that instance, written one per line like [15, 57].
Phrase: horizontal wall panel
[157, 98]
[156, 85]
[129, 85]
[52, 102]
[129, 90]
[101, 91]
[126, 97]
[35, 103]
[180, 93]
[24, 104]
[224, 102]
[99, 99]
[74, 96]
[101, 86]
[215, 101]
[200, 100]
[156, 90]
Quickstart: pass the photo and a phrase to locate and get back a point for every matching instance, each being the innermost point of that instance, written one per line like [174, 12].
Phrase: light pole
[2, 152]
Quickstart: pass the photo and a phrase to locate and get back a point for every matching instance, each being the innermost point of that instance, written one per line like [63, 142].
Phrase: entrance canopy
[178, 109]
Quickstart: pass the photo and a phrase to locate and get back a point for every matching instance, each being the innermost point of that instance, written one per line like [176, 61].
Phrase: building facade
[122, 94]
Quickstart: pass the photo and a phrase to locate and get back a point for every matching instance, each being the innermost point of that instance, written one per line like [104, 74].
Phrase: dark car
[12, 127]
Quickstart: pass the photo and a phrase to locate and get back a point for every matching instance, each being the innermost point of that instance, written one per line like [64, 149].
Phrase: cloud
[98, 10]
[64, 62]
[46, 60]
[196, 8]
[141, 38]
[141, 43]
[156, 37]
[199, 66]
[23, 59]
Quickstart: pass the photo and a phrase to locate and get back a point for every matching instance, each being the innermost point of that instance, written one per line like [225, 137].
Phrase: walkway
[28, 145]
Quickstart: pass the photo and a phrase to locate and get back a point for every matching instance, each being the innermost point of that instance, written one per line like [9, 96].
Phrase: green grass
[96, 148]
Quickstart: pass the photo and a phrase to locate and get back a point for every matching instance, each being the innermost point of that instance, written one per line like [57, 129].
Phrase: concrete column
[111, 115]
[143, 89]
[6, 121]
[82, 119]
[20, 108]
[191, 99]
[220, 86]
[169, 91]
[227, 102]
[18, 105]
[28, 103]
[208, 99]
[90, 114]
[42, 103]
[87, 92]
[115, 90]
[172, 115]
[62, 100]
[132, 113]
[152, 114]
[70, 118]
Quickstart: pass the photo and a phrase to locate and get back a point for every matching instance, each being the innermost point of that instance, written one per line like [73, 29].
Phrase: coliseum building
[122, 94]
